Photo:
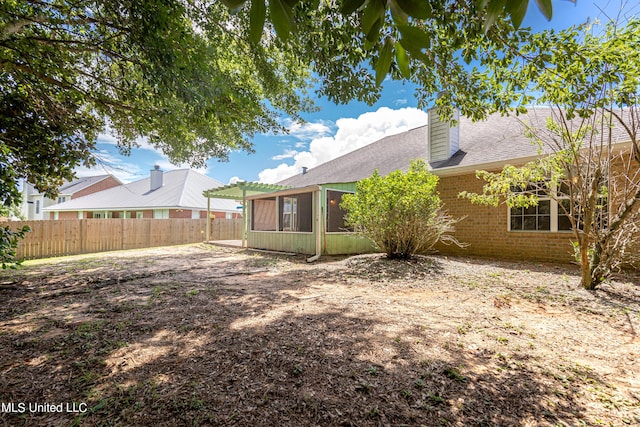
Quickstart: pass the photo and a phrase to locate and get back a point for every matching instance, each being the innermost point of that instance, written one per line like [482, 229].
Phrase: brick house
[304, 214]
[34, 202]
[162, 195]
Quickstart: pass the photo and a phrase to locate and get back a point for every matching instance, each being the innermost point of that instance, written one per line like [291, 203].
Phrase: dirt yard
[199, 335]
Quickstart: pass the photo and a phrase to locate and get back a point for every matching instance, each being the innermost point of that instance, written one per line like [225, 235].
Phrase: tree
[154, 69]
[354, 44]
[592, 84]
[400, 213]
[199, 81]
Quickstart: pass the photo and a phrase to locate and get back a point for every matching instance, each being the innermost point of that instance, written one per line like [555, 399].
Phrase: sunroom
[306, 220]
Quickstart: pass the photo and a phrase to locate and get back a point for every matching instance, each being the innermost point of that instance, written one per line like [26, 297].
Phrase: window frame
[555, 211]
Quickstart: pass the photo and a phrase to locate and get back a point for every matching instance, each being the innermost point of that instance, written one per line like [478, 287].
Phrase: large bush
[400, 213]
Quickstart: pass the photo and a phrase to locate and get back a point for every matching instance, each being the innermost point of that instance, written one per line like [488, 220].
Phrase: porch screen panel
[263, 215]
[296, 212]
[335, 214]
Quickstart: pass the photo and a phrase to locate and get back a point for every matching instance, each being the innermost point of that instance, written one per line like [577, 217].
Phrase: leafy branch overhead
[172, 72]
[395, 30]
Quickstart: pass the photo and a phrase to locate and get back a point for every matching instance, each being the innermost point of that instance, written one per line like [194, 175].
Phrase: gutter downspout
[318, 227]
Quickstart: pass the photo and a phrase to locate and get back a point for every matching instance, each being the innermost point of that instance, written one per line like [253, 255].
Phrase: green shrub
[400, 213]
[8, 245]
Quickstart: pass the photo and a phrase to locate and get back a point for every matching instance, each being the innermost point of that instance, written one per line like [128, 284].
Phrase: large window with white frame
[551, 213]
[161, 214]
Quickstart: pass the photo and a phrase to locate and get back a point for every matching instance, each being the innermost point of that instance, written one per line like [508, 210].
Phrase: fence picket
[78, 236]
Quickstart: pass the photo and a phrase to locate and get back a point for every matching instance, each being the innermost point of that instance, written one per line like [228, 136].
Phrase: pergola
[239, 191]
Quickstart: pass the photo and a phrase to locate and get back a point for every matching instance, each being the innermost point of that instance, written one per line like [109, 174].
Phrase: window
[290, 214]
[139, 215]
[37, 206]
[161, 213]
[335, 213]
[533, 218]
[62, 199]
[195, 214]
[565, 209]
[228, 215]
[551, 214]
[80, 214]
[296, 213]
[126, 215]
[102, 214]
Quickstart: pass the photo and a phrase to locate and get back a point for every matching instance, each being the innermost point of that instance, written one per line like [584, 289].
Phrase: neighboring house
[173, 194]
[303, 214]
[34, 202]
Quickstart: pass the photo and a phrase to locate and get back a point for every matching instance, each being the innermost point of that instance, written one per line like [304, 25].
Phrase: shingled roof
[498, 139]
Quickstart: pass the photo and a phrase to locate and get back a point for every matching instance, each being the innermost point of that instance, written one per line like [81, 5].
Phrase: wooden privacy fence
[82, 236]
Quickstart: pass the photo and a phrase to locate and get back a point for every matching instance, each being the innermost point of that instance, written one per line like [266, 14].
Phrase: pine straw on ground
[198, 335]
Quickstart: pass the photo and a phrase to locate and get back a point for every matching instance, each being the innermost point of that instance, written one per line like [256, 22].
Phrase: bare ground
[198, 335]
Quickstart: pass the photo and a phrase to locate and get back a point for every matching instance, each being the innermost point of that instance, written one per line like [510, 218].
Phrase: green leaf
[282, 18]
[257, 16]
[350, 6]
[517, 9]
[372, 13]
[419, 9]
[402, 59]
[384, 61]
[374, 32]
[413, 38]
[494, 10]
[399, 16]
[233, 4]
[546, 8]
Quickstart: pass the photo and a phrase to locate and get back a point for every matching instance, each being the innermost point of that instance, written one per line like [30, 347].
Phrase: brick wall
[485, 228]
[67, 215]
[98, 186]
[179, 213]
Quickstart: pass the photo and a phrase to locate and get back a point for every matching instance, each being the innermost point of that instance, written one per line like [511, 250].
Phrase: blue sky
[335, 129]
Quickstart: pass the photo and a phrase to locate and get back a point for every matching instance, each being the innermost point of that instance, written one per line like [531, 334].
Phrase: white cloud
[288, 154]
[308, 130]
[234, 180]
[351, 134]
[399, 102]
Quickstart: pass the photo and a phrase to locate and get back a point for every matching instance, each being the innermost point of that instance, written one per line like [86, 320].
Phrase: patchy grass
[197, 335]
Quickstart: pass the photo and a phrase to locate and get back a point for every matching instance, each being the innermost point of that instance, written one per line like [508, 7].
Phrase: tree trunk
[587, 281]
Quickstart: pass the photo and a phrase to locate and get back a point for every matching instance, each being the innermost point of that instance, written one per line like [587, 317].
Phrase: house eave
[287, 192]
[464, 170]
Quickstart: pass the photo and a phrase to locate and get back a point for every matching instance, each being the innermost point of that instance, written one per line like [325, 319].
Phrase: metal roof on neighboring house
[82, 183]
[498, 139]
[181, 188]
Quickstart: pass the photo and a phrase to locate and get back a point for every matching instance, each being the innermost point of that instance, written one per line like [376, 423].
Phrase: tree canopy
[199, 79]
[171, 71]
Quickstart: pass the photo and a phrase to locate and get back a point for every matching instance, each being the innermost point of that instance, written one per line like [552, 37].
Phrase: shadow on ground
[197, 346]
